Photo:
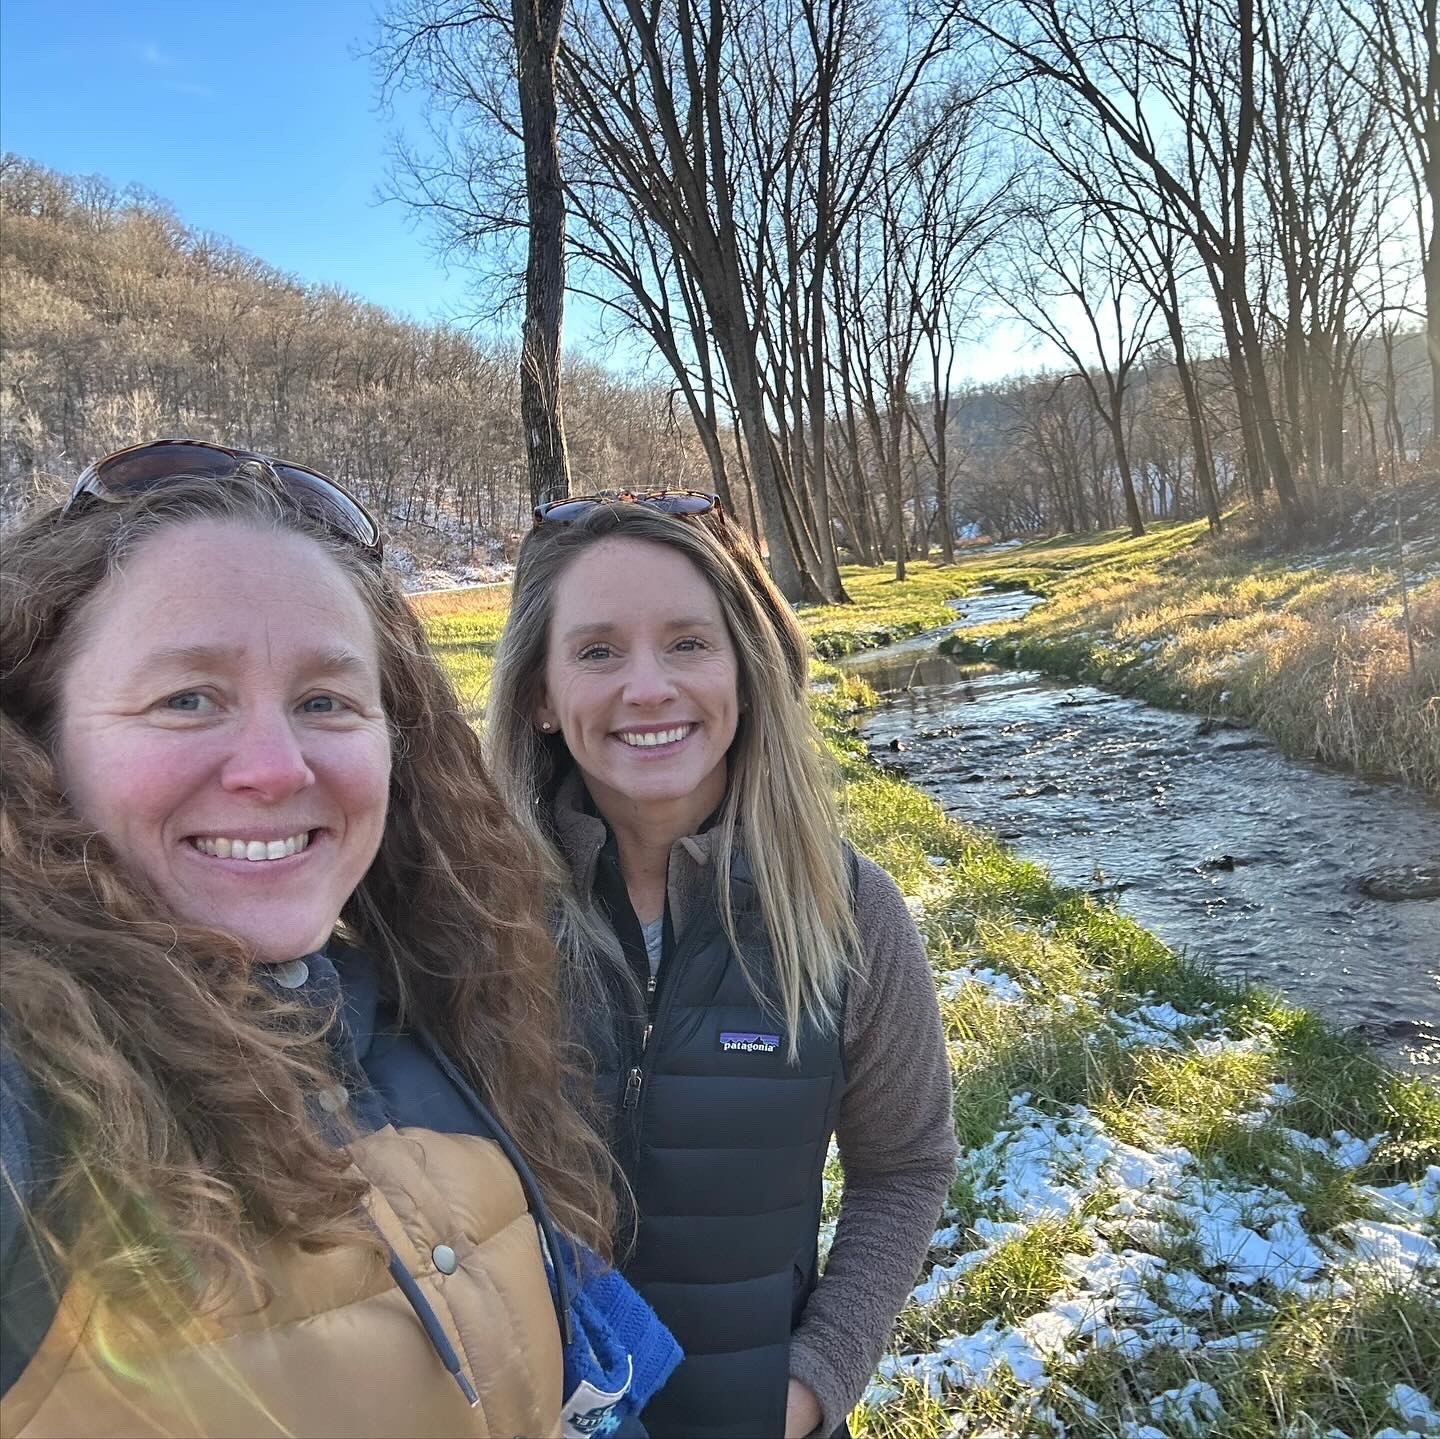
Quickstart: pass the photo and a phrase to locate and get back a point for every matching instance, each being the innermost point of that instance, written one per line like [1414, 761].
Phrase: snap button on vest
[444, 1258]
[332, 1101]
[290, 975]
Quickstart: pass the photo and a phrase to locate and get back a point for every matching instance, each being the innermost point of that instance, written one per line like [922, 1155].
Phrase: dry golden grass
[1316, 656]
[449, 603]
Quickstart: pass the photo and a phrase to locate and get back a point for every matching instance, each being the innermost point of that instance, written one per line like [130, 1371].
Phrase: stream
[1209, 836]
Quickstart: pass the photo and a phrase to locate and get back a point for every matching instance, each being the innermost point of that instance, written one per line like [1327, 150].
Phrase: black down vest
[724, 1145]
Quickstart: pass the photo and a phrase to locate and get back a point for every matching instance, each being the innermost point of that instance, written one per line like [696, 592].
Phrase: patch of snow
[1281, 1256]
[1123, 1296]
[1415, 1409]
[943, 1277]
[1409, 1201]
[1398, 1253]
[1241, 1339]
[1161, 1026]
[1190, 1410]
[1002, 987]
[1351, 1153]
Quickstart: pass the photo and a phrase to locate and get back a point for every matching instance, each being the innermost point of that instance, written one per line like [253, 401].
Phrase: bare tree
[1175, 87]
[475, 55]
[1062, 262]
[537, 42]
[961, 181]
[1403, 37]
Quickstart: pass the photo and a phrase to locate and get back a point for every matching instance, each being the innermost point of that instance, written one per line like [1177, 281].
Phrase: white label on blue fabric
[590, 1411]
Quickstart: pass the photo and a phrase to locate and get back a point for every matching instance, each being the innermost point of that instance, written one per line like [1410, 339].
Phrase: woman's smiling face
[220, 724]
[641, 680]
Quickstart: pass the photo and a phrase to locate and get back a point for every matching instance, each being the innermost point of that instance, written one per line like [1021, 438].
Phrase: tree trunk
[785, 565]
[897, 502]
[537, 41]
[1122, 464]
[1199, 440]
[1432, 314]
[942, 459]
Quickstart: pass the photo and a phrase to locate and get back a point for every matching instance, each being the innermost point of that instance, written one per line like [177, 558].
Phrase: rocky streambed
[1317, 884]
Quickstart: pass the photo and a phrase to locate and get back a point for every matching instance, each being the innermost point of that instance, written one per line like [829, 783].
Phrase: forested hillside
[122, 323]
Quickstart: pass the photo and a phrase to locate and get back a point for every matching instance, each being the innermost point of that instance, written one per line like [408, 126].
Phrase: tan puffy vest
[338, 1350]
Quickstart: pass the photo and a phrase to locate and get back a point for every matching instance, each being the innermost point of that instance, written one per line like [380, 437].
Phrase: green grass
[883, 609]
[466, 640]
[1331, 1362]
[1015, 1281]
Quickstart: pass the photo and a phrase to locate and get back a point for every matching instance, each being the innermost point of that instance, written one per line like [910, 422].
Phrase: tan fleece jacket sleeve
[896, 1134]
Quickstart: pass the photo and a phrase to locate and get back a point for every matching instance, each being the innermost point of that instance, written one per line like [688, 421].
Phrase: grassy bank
[1181, 1207]
[1312, 649]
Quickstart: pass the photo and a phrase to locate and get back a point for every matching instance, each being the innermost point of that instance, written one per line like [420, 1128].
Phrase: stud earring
[546, 726]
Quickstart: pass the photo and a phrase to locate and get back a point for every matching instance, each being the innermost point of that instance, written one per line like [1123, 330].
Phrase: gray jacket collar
[581, 836]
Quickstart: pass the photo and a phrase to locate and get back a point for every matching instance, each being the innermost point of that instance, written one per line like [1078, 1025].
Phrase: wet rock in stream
[1403, 881]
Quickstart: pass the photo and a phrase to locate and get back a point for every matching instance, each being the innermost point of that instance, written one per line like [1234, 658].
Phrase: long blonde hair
[178, 1083]
[778, 806]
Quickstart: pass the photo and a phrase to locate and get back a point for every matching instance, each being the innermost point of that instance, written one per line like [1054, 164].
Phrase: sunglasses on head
[152, 466]
[683, 503]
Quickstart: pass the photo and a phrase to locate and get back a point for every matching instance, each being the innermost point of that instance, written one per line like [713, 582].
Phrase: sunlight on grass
[1314, 654]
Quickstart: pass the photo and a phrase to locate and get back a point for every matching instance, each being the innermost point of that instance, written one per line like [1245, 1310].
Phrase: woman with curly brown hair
[284, 1131]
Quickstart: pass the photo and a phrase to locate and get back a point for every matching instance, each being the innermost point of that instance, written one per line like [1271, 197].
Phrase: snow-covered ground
[1165, 1253]
[460, 568]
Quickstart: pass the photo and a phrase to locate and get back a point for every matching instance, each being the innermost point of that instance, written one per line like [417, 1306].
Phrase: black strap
[533, 1197]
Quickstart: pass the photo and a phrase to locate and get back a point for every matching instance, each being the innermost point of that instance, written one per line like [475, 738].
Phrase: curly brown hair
[178, 1082]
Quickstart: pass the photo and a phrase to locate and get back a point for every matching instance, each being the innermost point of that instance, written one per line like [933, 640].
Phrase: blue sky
[256, 120]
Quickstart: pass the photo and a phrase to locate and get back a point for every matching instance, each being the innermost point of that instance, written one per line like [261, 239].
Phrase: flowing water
[1207, 835]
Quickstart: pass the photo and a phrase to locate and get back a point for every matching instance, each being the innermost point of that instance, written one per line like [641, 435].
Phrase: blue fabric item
[619, 1355]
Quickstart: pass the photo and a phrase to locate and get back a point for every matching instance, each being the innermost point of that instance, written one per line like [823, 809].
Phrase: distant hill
[122, 323]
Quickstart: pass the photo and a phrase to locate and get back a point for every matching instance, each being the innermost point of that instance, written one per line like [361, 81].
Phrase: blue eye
[689, 645]
[187, 703]
[320, 705]
[595, 652]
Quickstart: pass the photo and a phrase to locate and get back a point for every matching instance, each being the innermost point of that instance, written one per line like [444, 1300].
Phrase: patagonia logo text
[740, 1042]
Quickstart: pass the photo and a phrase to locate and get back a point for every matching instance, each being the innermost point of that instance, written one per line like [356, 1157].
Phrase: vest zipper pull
[632, 1089]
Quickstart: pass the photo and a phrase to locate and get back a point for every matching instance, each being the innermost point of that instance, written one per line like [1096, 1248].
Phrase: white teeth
[254, 850]
[654, 737]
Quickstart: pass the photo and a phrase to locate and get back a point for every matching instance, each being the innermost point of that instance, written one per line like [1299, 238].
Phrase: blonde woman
[745, 985]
